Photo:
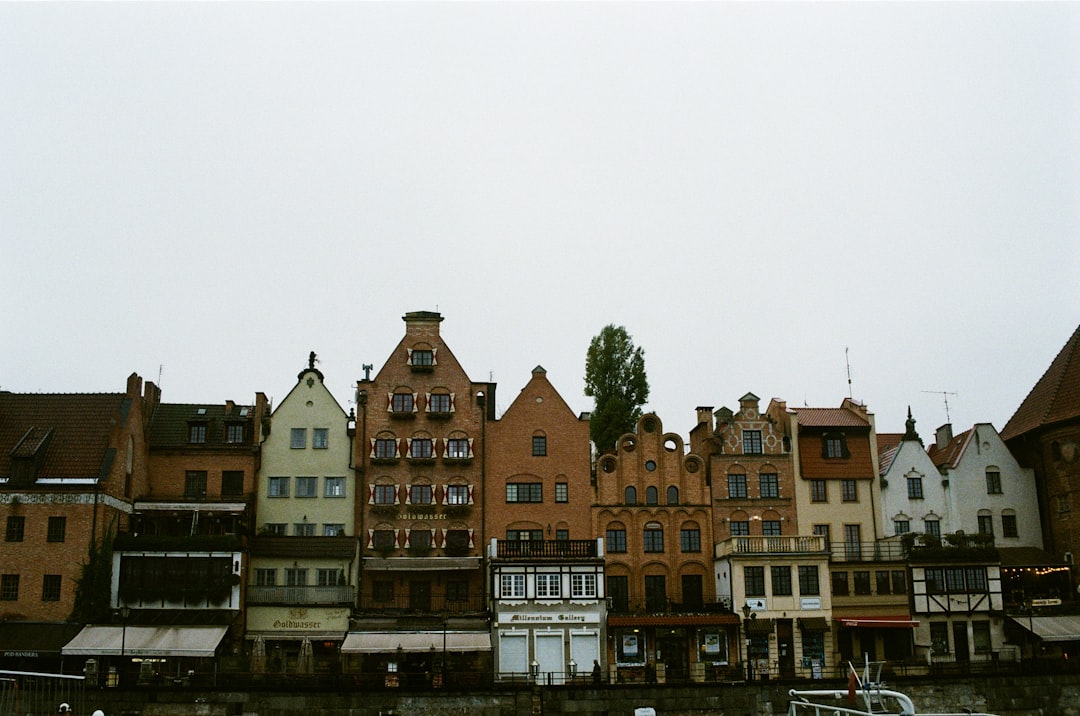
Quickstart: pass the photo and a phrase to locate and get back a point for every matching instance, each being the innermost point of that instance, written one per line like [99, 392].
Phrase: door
[420, 596]
[672, 649]
[549, 655]
[960, 641]
[785, 647]
[692, 594]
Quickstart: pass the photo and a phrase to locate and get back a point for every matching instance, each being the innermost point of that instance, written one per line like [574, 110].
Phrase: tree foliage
[615, 378]
[93, 588]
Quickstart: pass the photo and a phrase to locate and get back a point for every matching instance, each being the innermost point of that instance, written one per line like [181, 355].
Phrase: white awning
[1060, 628]
[382, 642]
[146, 641]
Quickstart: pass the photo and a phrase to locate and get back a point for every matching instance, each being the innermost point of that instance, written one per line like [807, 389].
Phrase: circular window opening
[608, 466]
[670, 444]
[650, 465]
[628, 445]
[648, 425]
[692, 466]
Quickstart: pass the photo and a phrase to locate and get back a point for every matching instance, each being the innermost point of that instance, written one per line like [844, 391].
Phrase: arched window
[651, 496]
[673, 495]
[631, 495]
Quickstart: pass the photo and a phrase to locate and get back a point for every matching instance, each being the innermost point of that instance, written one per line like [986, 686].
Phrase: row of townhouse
[420, 534]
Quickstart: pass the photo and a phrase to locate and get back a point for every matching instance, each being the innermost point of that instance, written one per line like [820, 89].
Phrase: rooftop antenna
[848, 364]
[945, 395]
[367, 371]
[160, 369]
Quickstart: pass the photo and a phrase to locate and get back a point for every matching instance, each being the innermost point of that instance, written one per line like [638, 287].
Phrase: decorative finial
[311, 360]
[909, 432]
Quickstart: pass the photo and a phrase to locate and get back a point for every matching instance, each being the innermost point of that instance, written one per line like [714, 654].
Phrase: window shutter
[470, 447]
[397, 447]
[470, 494]
[443, 543]
[843, 446]
[408, 494]
[372, 454]
[370, 538]
[471, 543]
[397, 538]
[371, 495]
[408, 356]
[453, 403]
[408, 446]
[415, 405]
[427, 402]
[434, 356]
[433, 530]
[408, 538]
[389, 402]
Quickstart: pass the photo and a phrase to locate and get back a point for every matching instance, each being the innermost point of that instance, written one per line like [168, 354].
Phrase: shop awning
[296, 635]
[757, 626]
[883, 622]
[813, 623]
[383, 642]
[146, 641]
[35, 640]
[673, 620]
[1060, 628]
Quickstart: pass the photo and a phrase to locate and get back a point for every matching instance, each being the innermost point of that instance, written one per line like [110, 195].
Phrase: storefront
[415, 659]
[547, 647]
[127, 654]
[673, 648]
[296, 640]
[36, 646]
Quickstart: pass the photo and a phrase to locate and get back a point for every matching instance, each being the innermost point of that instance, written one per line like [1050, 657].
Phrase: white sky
[750, 189]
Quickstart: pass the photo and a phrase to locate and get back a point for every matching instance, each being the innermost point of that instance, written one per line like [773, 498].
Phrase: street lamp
[535, 668]
[747, 615]
[125, 612]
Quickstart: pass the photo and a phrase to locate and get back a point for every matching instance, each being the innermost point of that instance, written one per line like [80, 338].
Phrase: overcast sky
[755, 191]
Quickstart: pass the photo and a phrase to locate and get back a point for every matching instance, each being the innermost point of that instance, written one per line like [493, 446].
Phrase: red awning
[883, 622]
[673, 620]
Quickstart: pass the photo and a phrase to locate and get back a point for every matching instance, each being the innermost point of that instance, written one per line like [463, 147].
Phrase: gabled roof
[1055, 397]
[78, 427]
[888, 444]
[949, 455]
[829, 418]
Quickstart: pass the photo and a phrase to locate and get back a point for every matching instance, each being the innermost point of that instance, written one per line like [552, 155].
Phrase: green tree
[93, 587]
[615, 378]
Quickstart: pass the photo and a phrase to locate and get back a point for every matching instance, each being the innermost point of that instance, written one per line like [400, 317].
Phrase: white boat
[866, 695]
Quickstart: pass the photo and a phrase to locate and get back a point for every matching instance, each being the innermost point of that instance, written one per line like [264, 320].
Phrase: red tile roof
[829, 418]
[1055, 397]
[950, 454]
[80, 425]
[887, 444]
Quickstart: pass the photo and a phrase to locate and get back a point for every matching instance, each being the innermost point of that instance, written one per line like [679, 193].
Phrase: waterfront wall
[1057, 695]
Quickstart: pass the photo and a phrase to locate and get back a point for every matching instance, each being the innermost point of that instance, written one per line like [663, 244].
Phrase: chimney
[423, 323]
[944, 436]
[229, 405]
[704, 416]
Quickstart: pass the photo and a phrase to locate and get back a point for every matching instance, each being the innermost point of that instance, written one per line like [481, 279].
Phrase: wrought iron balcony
[660, 604]
[546, 549]
[339, 594]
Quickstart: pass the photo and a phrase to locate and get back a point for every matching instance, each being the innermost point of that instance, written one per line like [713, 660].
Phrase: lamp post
[125, 612]
[746, 610]
[534, 667]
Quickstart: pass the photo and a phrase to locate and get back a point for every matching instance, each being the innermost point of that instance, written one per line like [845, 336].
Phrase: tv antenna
[945, 395]
[848, 364]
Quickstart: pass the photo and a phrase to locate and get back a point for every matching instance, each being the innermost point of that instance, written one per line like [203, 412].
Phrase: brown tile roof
[829, 418]
[1055, 397]
[950, 454]
[887, 444]
[169, 424]
[78, 427]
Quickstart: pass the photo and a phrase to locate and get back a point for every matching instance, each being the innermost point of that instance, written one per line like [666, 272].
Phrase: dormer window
[197, 433]
[234, 433]
[834, 446]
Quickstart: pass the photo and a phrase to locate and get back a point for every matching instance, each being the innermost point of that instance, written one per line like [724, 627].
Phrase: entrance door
[673, 652]
[960, 641]
[785, 645]
[420, 596]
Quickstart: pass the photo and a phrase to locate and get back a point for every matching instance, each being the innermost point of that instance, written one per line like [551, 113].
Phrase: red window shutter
[472, 544]
[371, 495]
[370, 538]
[433, 536]
[397, 538]
[470, 494]
[372, 455]
[389, 402]
[470, 447]
[408, 494]
[453, 403]
[408, 536]
[415, 404]
[442, 543]
[434, 356]
[408, 356]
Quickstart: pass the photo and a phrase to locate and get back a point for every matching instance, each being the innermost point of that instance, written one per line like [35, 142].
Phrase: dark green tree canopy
[615, 378]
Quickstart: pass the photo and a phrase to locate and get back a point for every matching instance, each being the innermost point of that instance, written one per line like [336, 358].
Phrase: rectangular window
[320, 438]
[383, 590]
[935, 580]
[524, 535]
[457, 590]
[769, 485]
[849, 490]
[781, 581]
[296, 576]
[834, 447]
[386, 494]
[420, 539]
[402, 403]
[914, 488]
[993, 482]
[327, 577]
[618, 592]
[457, 540]
[9, 587]
[954, 580]
[304, 529]
[298, 438]
[547, 586]
[754, 578]
[457, 448]
[275, 529]
[740, 528]
[583, 586]
[524, 492]
[654, 539]
[861, 580]
[57, 529]
[562, 492]
[818, 492]
[881, 578]
[690, 539]
[980, 637]
[840, 586]
[421, 448]
[539, 446]
[939, 637]
[853, 541]
[421, 357]
[307, 486]
[562, 535]
[975, 578]
[736, 486]
[932, 527]
[616, 540]
[234, 433]
[15, 527]
[770, 528]
[195, 484]
[421, 495]
[277, 487]
[1008, 526]
[457, 494]
[655, 592]
[333, 529]
[824, 531]
[232, 483]
[808, 580]
[385, 449]
[901, 526]
[197, 433]
[899, 581]
[265, 577]
[439, 403]
[334, 487]
[751, 442]
[986, 525]
[50, 588]
[382, 539]
[512, 586]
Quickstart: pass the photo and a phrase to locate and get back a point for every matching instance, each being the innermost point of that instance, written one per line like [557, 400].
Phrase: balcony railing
[546, 549]
[340, 594]
[421, 604]
[890, 550]
[661, 604]
[790, 544]
[128, 542]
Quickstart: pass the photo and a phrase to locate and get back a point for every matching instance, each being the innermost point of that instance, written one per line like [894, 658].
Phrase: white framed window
[304, 529]
[320, 438]
[334, 487]
[512, 586]
[547, 586]
[457, 494]
[307, 486]
[583, 586]
[298, 438]
[333, 529]
[277, 487]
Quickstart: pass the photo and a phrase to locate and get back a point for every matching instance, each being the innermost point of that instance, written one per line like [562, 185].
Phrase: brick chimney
[943, 436]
